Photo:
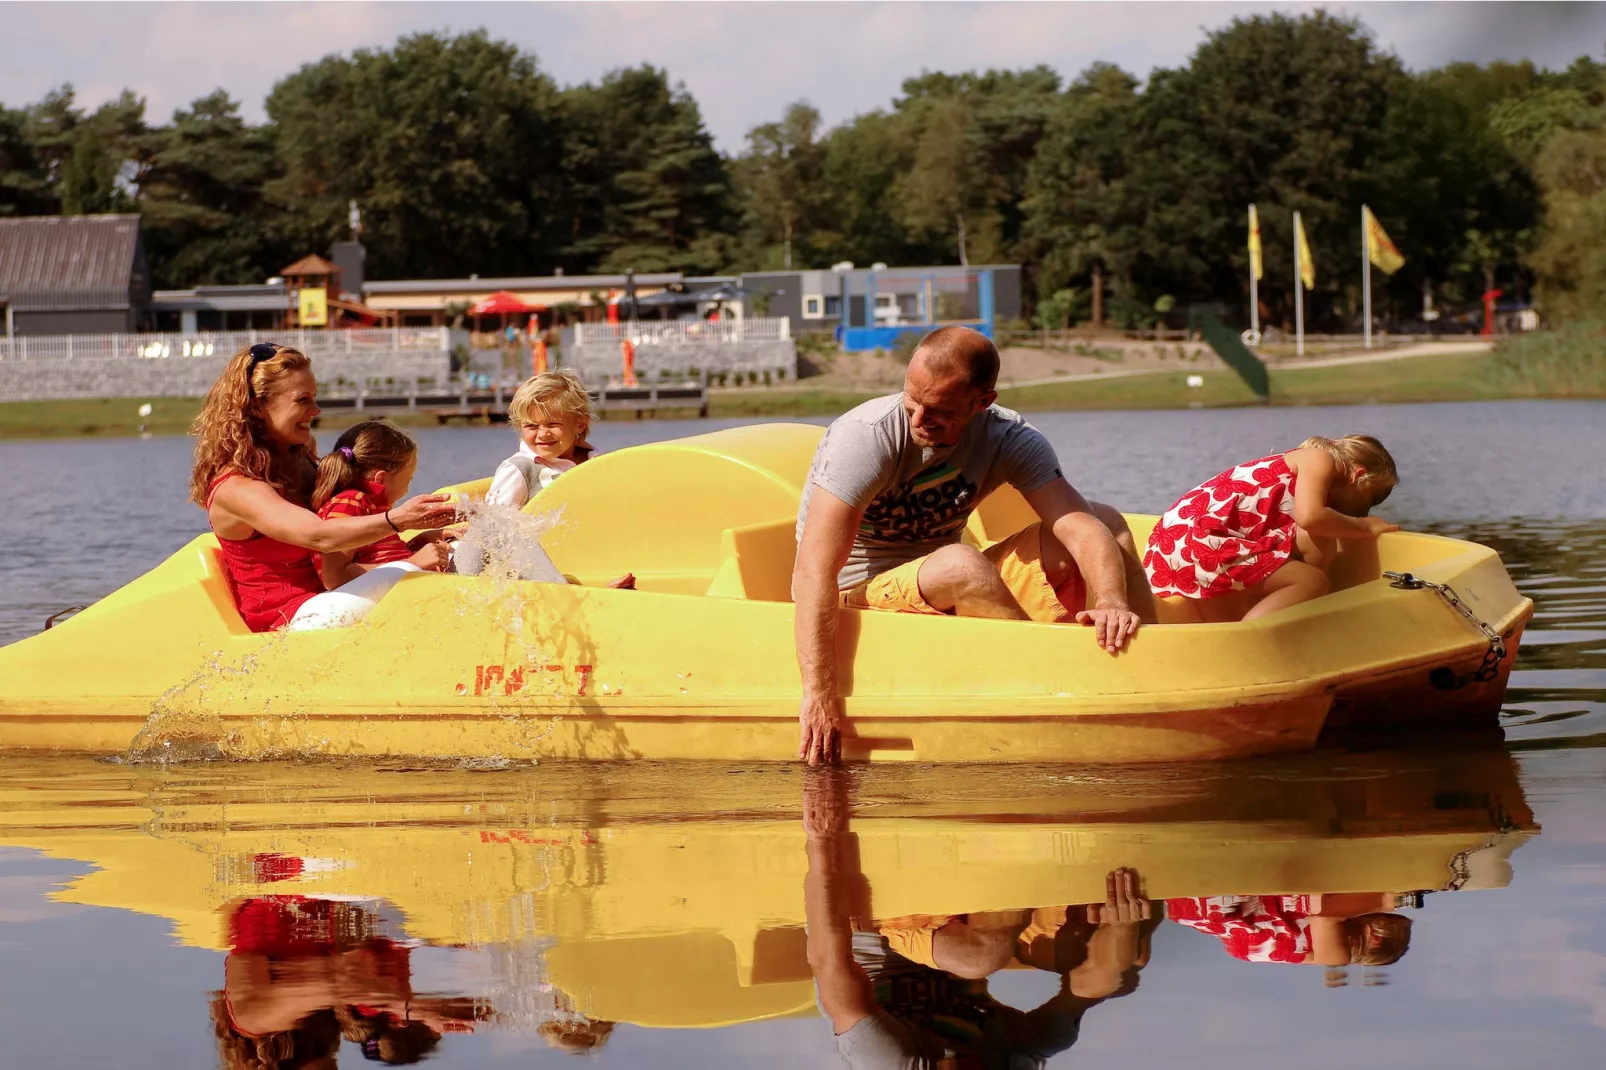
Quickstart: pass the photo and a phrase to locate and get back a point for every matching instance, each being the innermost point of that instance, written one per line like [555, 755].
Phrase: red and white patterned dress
[1255, 928]
[1226, 534]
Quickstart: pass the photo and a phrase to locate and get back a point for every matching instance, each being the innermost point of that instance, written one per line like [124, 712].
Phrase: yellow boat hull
[699, 662]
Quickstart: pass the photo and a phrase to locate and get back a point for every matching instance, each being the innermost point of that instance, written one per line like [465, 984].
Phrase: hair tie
[348, 453]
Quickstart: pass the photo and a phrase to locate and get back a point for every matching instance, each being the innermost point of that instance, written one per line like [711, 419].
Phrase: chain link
[1489, 667]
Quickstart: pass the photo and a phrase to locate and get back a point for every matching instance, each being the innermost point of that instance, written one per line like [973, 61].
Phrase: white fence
[40, 367]
[219, 343]
[684, 332]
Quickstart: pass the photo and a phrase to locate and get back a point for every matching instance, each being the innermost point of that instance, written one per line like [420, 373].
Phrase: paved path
[1469, 348]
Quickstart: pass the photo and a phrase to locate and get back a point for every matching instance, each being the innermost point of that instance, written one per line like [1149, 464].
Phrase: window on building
[833, 306]
[811, 308]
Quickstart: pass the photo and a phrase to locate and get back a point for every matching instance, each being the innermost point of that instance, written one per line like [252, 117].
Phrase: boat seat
[755, 562]
[215, 586]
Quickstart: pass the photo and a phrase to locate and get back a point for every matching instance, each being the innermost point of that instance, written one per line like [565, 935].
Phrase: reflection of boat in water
[699, 662]
[673, 896]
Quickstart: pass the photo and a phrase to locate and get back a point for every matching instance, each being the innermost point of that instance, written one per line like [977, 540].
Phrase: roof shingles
[68, 263]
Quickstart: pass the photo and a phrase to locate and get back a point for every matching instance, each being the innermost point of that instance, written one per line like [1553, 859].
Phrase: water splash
[508, 567]
[504, 543]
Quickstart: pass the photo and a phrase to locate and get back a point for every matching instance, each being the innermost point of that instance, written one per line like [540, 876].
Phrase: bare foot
[627, 582]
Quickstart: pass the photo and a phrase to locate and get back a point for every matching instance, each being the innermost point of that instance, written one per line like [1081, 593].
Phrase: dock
[489, 404]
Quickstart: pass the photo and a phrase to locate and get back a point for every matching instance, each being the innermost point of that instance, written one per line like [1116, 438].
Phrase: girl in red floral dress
[1259, 537]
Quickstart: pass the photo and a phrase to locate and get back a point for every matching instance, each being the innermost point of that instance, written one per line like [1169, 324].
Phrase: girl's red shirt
[366, 500]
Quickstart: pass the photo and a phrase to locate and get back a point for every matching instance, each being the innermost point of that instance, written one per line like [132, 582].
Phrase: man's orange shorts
[1019, 560]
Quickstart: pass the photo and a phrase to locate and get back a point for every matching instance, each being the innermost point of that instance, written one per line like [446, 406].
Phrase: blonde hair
[1360, 451]
[561, 391]
[229, 431]
[1384, 938]
[364, 447]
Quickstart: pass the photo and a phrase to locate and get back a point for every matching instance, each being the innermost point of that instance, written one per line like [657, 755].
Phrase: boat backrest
[661, 510]
[215, 585]
[755, 562]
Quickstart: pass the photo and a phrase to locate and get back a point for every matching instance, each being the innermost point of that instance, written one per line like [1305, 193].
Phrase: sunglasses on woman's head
[260, 352]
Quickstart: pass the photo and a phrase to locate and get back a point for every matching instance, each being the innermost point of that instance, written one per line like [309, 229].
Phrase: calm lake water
[313, 914]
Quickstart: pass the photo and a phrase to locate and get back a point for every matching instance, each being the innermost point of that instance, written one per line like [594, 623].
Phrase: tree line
[465, 157]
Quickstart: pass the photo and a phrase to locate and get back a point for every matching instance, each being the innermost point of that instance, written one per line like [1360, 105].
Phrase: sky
[744, 62]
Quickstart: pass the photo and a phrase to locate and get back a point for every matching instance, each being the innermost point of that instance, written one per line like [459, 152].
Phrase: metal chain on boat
[1489, 667]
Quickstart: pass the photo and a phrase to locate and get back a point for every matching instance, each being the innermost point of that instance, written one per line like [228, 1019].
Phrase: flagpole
[1254, 293]
[1299, 295]
[1366, 279]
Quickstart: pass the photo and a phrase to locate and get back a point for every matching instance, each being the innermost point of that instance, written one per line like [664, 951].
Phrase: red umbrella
[502, 303]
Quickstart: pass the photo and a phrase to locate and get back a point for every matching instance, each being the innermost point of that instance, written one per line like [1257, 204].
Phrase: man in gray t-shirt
[885, 505]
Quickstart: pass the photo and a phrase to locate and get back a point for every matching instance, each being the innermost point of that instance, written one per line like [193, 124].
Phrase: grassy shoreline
[1509, 372]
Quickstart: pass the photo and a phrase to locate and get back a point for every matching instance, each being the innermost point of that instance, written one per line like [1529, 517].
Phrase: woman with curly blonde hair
[255, 467]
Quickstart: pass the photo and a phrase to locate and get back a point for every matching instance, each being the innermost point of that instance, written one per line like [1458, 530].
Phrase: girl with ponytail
[367, 472]
[1260, 536]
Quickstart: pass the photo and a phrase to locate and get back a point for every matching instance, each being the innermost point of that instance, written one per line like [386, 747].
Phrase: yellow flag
[1307, 266]
[312, 306]
[1379, 249]
[1254, 244]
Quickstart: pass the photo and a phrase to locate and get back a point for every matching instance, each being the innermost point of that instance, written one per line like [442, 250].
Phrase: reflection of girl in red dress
[1329, 930]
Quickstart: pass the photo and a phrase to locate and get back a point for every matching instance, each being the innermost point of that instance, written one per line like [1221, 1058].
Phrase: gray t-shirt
[917, 500]
[924, 1017]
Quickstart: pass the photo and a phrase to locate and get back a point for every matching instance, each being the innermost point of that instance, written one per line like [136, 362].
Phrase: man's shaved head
[950, 351]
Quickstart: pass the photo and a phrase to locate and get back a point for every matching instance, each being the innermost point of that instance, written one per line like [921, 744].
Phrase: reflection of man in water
[914, 993]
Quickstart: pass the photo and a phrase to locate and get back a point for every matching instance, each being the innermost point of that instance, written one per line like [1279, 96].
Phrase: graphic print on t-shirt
[934, 504]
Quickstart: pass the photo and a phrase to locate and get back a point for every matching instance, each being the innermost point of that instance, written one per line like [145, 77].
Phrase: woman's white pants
[350, 602]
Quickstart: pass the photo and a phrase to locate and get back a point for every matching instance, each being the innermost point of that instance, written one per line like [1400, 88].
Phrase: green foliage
[25, 187]
[1569, 256]
[646, 188]
[780, 179]
[466, 158]
[1568, 362]
[447, 144]
[1062, 309]
[206, 220]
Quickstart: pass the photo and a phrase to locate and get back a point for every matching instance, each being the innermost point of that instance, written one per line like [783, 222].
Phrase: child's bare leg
[1314, 549]
[1224, 608]
[1290, 585]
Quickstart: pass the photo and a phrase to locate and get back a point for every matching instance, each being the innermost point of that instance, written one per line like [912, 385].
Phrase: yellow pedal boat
[673, 896]
[699, 661]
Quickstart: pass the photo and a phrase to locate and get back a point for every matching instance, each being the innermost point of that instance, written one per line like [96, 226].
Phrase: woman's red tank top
[268, 578]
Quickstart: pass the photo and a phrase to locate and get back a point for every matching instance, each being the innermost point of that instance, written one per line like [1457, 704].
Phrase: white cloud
[743, 62]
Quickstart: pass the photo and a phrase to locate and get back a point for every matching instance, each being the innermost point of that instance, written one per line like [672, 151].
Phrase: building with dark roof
[73, 275]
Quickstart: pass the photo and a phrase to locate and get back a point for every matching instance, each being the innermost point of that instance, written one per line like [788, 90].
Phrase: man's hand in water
[1111, 627]
[820, 725]
[825, 801]
[1123, 900]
